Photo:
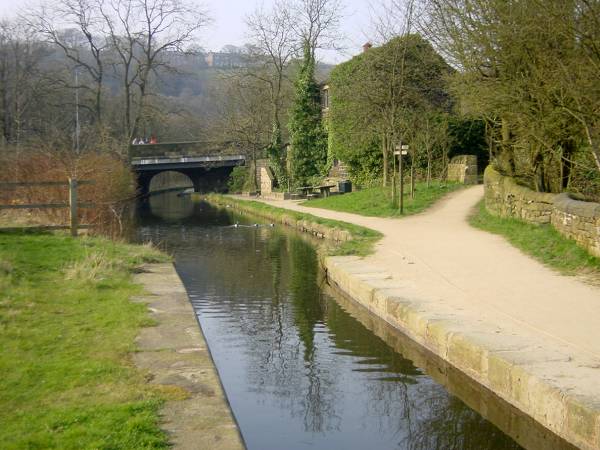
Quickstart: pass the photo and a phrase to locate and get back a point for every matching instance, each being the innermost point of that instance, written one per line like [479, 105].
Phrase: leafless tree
[394, 24]
[317, 24]
[74, 26]
[271, 33]
[142, 32]
[241, 115]
[21, 86]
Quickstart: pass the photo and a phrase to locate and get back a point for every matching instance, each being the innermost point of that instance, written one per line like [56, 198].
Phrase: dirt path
[480, 276]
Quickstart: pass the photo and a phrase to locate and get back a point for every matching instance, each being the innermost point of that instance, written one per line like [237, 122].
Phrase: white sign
[404, 152]
[405, 147]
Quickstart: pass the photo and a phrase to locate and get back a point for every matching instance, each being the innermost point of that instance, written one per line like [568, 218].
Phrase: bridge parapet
[179, 149]
[163, 163]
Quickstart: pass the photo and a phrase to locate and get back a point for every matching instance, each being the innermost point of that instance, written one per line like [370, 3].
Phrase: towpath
[480, 276]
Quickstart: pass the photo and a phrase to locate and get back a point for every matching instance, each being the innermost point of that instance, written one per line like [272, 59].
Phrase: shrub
[237, 179]
[113, 188]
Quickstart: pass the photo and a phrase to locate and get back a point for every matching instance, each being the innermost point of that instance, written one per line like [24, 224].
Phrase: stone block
[467, 356]
[583, 420]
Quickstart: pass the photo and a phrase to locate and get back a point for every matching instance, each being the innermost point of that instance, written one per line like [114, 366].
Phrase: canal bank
[298, 369]
[174, 353]
[528, 348]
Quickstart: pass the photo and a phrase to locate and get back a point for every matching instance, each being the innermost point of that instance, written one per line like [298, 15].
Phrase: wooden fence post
[73, 206]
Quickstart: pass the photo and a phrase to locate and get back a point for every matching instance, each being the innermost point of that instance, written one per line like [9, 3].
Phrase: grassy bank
[542, 242]
[67, 330]
[361, 244]
[377, 201]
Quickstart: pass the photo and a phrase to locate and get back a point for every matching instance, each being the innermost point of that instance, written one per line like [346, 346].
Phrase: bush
[113, 188]
[237, 179]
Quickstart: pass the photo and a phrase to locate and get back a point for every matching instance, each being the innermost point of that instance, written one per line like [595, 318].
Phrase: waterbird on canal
[254, 225]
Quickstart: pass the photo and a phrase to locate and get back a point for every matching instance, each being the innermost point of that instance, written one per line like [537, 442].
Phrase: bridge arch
[208, 170]
[203, 180]
[168, 180]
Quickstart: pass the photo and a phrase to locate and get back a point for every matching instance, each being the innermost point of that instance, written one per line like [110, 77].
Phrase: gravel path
[439, 256]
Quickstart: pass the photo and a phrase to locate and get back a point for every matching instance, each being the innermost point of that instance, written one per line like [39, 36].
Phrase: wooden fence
[72, 204]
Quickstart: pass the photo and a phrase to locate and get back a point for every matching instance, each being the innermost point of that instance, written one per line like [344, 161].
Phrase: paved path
[480, 276]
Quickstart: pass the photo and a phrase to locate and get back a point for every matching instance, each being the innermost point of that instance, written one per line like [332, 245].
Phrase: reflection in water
[299, 370]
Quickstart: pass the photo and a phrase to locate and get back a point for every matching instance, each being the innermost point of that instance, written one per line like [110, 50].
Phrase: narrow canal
[300, 368]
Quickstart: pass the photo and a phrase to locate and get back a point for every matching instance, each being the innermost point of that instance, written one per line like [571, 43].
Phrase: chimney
[367, 46]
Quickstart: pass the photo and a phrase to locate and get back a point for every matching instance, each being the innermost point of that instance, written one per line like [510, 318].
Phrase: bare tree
[142, 33]
[275, 44]
[393, 25]
[241, 114]
[84, 47]
[317, 24]
[21, 85]
[272, 34]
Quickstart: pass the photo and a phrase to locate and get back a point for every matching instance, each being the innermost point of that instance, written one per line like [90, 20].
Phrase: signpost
[401, 150]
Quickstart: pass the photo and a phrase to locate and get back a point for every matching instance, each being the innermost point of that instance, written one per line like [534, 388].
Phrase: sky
[228, 27]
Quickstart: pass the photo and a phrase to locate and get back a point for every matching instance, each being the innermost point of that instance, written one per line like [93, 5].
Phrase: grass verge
[542, 242]
[67, 331]
[361, 244]
[377, 201]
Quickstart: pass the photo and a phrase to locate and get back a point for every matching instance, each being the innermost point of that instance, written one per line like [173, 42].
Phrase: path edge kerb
[575, 419]
[175, 353]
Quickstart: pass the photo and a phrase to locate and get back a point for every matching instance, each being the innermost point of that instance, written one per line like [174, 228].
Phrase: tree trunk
[99, 101]
[128, 132]
[428, 171]
[507, 149]
[385, 161]
[412, 179]
[5, 106]
[254, 170]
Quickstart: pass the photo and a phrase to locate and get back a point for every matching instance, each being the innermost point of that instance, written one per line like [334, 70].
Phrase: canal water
[303, 368]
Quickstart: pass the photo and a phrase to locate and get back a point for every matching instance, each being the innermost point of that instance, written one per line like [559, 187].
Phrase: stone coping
[523, 429]
[549, 383]
[564, 203]
[175, 355]
[318, 230]
[511, 186]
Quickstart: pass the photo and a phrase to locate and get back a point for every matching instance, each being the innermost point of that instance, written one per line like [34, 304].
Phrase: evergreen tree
[307, 133]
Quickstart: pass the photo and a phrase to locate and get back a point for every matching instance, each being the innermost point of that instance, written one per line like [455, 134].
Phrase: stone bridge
[207, 166]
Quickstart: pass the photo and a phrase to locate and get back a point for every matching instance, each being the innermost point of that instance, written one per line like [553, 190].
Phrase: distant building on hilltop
[220, 60]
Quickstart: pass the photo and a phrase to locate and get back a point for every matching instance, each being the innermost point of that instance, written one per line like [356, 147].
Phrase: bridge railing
[178, 149]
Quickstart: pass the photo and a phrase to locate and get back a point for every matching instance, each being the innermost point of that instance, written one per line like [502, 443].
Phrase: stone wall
[463, 169]
[264, 177]
[266, 181]
[505, 198]
[574, 219]
[579, 221]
